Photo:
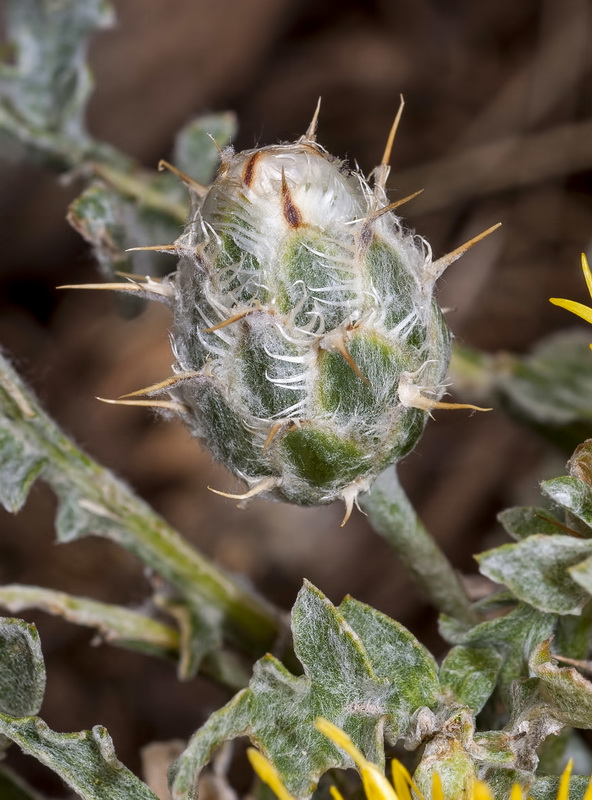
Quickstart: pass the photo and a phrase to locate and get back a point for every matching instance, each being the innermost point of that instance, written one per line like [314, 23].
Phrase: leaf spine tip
[264, 485]
[438, 267]
[198, 188]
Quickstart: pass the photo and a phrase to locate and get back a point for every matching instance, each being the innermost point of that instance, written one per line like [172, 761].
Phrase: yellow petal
[403, 782]
[588, 792]
[268, 774]
[563, 791]
[437, 790]
[480, 791]
[585, 312]
[516, 792]
[335, 793]
[587, 273]
[376, 785]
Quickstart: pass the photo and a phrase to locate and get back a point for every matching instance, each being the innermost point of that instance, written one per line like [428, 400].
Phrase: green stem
[392, 516]
[248, 620]
[137, 185]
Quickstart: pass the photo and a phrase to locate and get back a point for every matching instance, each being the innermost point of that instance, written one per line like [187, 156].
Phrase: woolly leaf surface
[546, 788]
[521, 522]
[514, 635]
[22, 669]
[573, 494]
[535, 570]
[112, 222]
[196, 145]
[397, 656]
[45, 90]
[565, 690]
[468, 675]
[362, 671]
[85, 761]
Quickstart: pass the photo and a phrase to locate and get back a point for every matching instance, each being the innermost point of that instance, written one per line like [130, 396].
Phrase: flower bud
[309, 347]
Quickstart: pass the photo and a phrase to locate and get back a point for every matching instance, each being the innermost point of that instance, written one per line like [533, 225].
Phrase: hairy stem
[392, 516]
[248, 620]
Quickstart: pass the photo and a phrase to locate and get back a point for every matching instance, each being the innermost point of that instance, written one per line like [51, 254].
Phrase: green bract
[309, 347]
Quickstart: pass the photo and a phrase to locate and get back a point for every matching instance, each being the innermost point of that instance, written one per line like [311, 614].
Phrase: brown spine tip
[249, 173]
[291, 213]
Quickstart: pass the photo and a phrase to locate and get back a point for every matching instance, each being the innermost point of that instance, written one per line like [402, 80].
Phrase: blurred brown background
[497, 127]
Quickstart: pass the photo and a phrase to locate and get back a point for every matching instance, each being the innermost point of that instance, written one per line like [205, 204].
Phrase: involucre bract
[309, 347]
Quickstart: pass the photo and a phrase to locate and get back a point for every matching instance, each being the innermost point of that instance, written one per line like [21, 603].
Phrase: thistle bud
[309, 346]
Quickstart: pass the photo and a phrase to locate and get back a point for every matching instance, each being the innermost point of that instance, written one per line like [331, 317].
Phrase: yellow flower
[585, 312]
[377, 786]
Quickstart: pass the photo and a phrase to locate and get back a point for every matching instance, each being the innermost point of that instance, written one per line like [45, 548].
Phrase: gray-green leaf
[567, 692]
[536, 570]
[514, 636]
[86, 761]
[44, 92]
[521, 522]
[468, 675]
[196, 145]
[362, 672]
[573, 494]
[22, 669]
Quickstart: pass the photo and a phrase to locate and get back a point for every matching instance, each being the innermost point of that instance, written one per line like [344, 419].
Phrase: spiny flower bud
[309, 346]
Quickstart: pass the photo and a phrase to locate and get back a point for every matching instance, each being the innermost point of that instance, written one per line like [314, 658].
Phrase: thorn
[382, 172]
[273, 432]
[335, 341]
[217, 146]
[455, 406]
[350, 497]
[343, 351]
[392, 206]
[229, 321]
[163, 385]
[264, 485]
[349, 507]
[162, 290]
[410, 396]
[311, 131]
[160, 248]
[138, 278]
[198, 188]
[443, 263]
[386, 157]
[180, 408]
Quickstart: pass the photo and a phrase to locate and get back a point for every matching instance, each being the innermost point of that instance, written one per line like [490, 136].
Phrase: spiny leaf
[468, 675]
[86, 761]
[536, 568]
[22, 669]
[362, 672]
